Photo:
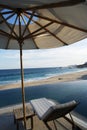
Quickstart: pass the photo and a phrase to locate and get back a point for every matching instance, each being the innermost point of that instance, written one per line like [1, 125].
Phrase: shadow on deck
[7, 123]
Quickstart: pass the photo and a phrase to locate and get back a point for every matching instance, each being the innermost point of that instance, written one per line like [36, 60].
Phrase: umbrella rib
[6, 34]
[8, 25]
[7, 12]
[6, 18]
[40, 28]
[19, 27]
[41, 33]
[52, 34]
[57, 4]
[11, 32]
[58, 22]
[28, 23]
[30, 33]
[49, 32]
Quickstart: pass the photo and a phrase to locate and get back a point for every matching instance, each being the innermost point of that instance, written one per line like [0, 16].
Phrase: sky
[58, 57]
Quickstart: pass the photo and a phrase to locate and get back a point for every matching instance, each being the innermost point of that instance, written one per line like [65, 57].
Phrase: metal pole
[22, 83]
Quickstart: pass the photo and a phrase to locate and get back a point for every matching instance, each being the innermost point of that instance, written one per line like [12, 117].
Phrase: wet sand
[61, 78]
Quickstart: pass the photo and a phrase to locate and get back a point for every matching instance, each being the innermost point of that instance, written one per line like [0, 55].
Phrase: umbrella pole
[22, 83]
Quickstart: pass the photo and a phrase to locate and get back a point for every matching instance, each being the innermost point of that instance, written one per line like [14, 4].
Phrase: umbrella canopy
[42, 24]
[32, 24]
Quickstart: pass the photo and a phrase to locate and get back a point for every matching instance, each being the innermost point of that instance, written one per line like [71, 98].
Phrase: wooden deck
[7, 123]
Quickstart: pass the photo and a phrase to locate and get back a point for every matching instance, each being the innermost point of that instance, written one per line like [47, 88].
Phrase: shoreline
[56, 79]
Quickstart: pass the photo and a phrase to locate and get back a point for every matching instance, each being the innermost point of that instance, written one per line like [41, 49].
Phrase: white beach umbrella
[33, 24]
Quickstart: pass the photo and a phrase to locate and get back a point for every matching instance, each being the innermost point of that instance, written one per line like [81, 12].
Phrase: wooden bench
[18, 116]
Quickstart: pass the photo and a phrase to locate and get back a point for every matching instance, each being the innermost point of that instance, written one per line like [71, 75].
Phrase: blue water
[61, 92]
[13, 75]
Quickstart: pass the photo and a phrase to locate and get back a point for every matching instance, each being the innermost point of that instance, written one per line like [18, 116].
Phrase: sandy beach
[61, 78]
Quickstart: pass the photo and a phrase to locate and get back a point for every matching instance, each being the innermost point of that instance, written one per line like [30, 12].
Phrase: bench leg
[50, 127]
[31, 122]
[47, 126]
[14, 120]
[17, 125]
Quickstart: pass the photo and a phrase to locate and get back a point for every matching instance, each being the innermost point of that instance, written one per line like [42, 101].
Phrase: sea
[9, 76]
[61, 92]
